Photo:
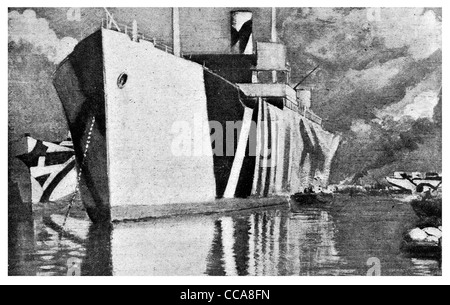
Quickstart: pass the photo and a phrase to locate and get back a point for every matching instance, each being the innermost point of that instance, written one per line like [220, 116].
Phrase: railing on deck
[310, 115]
[306, 112]
[302, 110]
[314, 117]
[291, 105]
[110, 24]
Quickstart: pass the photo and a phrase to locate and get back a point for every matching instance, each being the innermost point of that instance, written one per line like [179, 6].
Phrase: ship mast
[274, 39]
[111, 19]
[176, 31]
[274, 25]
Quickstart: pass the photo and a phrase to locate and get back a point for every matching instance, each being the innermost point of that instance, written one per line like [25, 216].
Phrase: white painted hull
[404, 184]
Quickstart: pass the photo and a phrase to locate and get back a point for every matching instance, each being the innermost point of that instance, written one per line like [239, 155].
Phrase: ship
[416, 181]
[52, 168]
[155, 128]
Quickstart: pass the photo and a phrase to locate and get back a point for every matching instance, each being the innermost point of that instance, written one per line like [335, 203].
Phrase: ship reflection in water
[335, 240]
[269, 244]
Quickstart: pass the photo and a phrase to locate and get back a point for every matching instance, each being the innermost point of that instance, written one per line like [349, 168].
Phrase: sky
[379, 81]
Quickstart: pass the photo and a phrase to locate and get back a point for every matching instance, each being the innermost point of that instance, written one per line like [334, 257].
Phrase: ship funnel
[242, 32]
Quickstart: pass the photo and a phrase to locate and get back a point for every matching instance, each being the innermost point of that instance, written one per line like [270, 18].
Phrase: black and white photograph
[225, 141]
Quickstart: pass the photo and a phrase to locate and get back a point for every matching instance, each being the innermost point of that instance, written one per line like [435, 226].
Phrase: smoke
[27, 28]
[402, 129]
[419, 101]
[379, 82]
[341, 35]
[376, 75]
[361, 128]
[418, 30]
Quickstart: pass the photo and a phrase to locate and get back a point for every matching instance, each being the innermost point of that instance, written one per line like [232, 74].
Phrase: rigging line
[308, 75]
[112, 19]
[77, 188]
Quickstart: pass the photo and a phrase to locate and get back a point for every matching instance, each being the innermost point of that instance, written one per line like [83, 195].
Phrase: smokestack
[274, 25]
[242, 32]
[176, 32]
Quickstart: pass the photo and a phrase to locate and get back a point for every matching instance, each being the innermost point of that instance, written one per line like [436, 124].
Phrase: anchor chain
[80, 171]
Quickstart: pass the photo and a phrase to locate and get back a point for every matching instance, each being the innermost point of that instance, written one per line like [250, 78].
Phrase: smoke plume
[379, 83]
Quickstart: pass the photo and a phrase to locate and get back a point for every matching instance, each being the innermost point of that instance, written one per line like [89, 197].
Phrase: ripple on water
[46, 252]
[47, 268]
[47, 274]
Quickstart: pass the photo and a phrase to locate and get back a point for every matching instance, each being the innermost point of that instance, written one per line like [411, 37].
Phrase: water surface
[337, 239]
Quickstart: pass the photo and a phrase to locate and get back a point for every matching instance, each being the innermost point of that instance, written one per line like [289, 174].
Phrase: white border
[4, 280]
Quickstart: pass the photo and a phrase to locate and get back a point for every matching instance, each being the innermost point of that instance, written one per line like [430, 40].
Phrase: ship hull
[170, 133]
[405, 184]
[79, 82]
[53, 175]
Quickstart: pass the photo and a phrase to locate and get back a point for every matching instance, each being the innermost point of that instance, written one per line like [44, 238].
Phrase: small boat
[304, 199]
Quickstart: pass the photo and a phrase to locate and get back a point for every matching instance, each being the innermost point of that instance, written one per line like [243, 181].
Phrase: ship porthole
[122, 80]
